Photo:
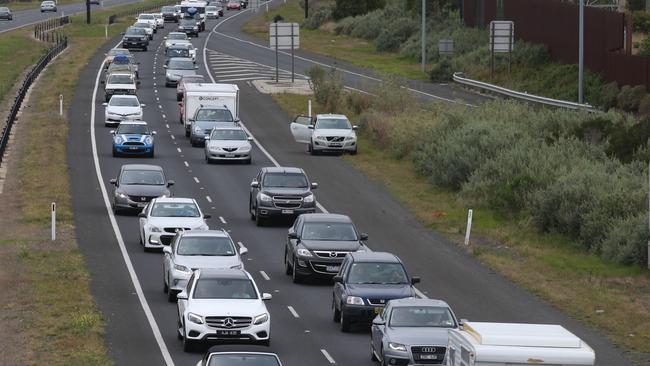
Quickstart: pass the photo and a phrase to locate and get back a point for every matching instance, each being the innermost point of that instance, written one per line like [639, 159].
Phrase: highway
[127, 282]
[31, 16]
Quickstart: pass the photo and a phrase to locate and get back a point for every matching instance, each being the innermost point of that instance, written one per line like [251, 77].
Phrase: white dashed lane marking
[327, 356]
[186, 163]
[266, 277]
[178, 149]
[208, 198]
[223, 221]
[293, 311]
[196, 179]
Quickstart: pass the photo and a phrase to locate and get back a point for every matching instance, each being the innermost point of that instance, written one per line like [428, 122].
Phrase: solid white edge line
[293, 311]
[327, 356]
[257, 143]
[118, 235]
[266, 277]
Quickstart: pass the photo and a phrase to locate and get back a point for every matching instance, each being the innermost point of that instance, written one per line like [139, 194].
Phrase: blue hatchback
[133, 138]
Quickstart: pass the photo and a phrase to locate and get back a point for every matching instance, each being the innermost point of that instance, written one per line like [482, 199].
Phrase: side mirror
[266, 296]
[207, 216]
[102, 82]
[355, 127]
[243, 250]
[142, 105]
[167, 250]
[182, 295]
[237, 120]
[337, 279]
[462, 322]
[154, 133]
[255, 184]
[170, 183]
[196, 67]
[143, 215]
[121, 33]
[415, 280]
[249, 138]
[138, 82]
[112, 132]
[311, 127]
[378, 321]
[293, 235]
[104, 104]
[363, 236]
[164, 37]
[314, 185]
[113, 181]
[164, 66]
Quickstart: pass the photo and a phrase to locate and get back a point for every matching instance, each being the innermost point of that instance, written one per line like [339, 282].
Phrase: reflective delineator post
[469, 226]
[53, 221]
[309, 108]
[60, 104]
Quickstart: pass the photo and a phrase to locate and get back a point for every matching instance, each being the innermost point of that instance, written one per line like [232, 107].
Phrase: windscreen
[421, 316]
[120, 79]
[168, 9]
[243, 360]
[124, 102]
[188, 22]
[181, 64]
[206, 246]
[128, 129]
[217, 115]
[231, 135]
[132, 31]
[4, 10]
[141, 25]
[177, 36]
[285, 180]
[178, 52]
[336, 231]
[174, 209]
[333, 123]
[377, 273]
[146, 16]
[142, 177]
[222, 288]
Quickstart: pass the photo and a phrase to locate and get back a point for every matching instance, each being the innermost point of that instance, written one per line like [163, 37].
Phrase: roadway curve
[474, 291]
[31, 16]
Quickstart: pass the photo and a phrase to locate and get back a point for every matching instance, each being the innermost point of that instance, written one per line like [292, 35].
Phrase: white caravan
[208, 94]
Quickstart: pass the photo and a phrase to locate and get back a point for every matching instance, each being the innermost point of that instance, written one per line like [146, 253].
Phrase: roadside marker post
[469, 226]
[309, 108]
[53, 221]
[284, 36]
[60, 104]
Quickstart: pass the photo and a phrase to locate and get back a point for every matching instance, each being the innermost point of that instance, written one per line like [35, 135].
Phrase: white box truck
[208, 94]
[501, 344]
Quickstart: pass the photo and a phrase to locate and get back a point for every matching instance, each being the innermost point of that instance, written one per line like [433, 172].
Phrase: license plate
[230, 155]
[336, 145]
[428, 357]
[332, 268]
[288, 212]
[228, 333]
[378, 309]
[134, 148]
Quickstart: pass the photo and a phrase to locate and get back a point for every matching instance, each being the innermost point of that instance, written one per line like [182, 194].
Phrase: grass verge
[612, 298]
[355, 51]
[52, 318]
[25, 52]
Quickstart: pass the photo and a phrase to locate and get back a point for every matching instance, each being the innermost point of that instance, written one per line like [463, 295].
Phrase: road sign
[446, 46]
[502, 36]
[287, 36]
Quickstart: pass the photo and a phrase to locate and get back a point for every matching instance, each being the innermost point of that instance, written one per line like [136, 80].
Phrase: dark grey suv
[281, 192]
[317, 244]
[138, 184]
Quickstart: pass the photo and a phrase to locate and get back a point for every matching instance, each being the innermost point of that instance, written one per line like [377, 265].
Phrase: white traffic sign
[502, 36]
[287, 36]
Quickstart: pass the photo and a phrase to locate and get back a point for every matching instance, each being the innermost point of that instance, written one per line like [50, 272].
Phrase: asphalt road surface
[31, 16]
[127, 282]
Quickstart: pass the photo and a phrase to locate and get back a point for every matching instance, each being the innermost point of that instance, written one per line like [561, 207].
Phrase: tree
[351, 8]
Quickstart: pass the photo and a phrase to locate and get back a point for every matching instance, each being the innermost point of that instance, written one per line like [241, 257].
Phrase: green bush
[641, 21]
[627, 239]
[630, 97]
[391, 38]
[369, 26]
[634, 5]
[441, 71]
[319, 16]
[644, 106]
[327, 86]
[530, 54]
[350, 8]
[644, 47]
[345, 26]
[606, 99]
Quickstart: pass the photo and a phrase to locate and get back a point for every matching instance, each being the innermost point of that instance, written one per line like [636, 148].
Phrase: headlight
[148, 140]
[168, 75]
[163, 196]
[118, 140]
[354, 300]
[321, 138]
[262, 318]
[196, 28]
[214, 148]
[303, 252]
[202, 227]
[350, 138]
[244, 148]
[397, 346]
[308, 199]
[154, 229]
[265, 197]
[197, 129]
[121, 195]
[143, 38]
[180, 268]
[195, 318]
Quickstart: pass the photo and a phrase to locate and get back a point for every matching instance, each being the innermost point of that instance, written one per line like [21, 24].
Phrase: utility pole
[87, 11]
[424, 35]
[581, 53]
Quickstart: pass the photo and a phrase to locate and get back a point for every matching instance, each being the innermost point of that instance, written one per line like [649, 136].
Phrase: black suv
[365, 283]
[317, 244]
[169, 14]
[280, 192]
[135, 38]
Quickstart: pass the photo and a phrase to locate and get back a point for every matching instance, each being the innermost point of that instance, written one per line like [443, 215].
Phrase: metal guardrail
[459, 78]
[60, 43]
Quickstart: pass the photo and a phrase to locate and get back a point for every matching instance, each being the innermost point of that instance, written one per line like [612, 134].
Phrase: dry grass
[613, 299]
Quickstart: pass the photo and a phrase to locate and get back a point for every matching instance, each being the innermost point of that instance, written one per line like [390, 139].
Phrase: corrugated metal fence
[555, 24]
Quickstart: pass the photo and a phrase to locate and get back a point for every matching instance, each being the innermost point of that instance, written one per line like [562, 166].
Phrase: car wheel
[295, 276]
[372, 353]
[251, 210]
[115, 153]
[309, 148]
[193, 143]
[187, 133]
[145, 48]
[171, 295]
[179, 328]
[345, 323]
[353, 152]
[259, 221]
[249, 161]
[287, 266]
[165, 286]
[336, 313]
[188, 344]
[151, 154]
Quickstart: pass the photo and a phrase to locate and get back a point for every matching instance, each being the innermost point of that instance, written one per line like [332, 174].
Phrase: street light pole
[581, 54]
[424, 36]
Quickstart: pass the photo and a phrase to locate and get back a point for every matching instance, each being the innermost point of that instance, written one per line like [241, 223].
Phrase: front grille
[328, 254]
[421, 354]
[377, 302]
[166, 239]
[229, 149]
[133, 143]
[335, 138]
[123, 91]
[238, 322]
[141, 198]
[176, 229]
[287, 202]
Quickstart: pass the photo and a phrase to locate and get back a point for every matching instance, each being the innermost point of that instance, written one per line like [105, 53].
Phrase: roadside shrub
[347, 8]
[358, 102]
[369, 26]
[530, 54]
[390, 39]
[630, 97]
[441, 71]
[345, 26]
[641, 21]
[607, 97]
[318, 17]
[644, 47]
[635, 5]
[626, 240]
[327, 86]
[644, 106]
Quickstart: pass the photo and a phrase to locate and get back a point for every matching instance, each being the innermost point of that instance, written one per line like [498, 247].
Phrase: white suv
[148, 18]
[197, 249]
[222, 304]
[328, 133]
[162, 218]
